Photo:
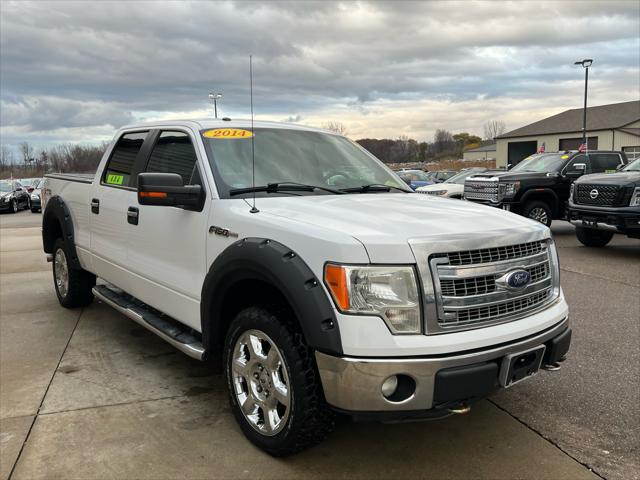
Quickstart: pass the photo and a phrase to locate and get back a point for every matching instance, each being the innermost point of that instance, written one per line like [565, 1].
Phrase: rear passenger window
[174, 153]
[120, 166]
[601, 162]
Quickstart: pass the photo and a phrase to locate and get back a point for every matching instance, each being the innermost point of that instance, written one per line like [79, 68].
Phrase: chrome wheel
[539, 214]
[261, 382]
[61, 272]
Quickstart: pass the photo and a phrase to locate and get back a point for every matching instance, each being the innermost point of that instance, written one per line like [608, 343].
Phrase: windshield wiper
[372, 187]
[282, 187]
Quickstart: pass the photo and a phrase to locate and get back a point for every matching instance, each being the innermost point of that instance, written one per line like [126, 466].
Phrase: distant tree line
[445, 145]
[67, 157]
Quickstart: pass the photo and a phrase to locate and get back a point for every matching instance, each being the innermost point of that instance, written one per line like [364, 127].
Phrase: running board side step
[152, 320]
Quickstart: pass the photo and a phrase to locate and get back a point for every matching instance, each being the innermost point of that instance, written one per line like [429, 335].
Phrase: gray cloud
[71, 66]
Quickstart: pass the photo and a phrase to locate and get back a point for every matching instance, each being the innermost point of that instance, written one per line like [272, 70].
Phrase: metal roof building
[609, 127]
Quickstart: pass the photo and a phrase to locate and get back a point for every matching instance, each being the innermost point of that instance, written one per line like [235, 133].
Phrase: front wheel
[538, 211]
[14, 206]
[73, 285]
[590, 237]
[274, 387]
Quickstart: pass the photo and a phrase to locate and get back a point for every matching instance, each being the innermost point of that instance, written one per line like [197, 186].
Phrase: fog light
[389, 386]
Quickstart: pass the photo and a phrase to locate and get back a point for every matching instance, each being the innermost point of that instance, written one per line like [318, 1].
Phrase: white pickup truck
[339, 291]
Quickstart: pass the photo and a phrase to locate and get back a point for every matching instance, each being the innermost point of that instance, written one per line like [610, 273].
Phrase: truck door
[113, 192]
[166, 248]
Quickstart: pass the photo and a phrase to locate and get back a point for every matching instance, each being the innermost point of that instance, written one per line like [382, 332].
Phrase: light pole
[215, 97]
[586, 63]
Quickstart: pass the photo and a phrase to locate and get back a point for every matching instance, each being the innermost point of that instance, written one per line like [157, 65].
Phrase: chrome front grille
[481, 190]
[496, 254]
[471, 290]
[500, 310]
[466, 287]
[601, 195]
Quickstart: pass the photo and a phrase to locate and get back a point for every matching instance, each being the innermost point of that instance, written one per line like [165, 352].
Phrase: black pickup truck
[601, 205]
[538, 187]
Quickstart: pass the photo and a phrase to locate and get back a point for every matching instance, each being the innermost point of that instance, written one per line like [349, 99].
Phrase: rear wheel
[538, 211]
[274, 387]
[590, 237]
[73, 285]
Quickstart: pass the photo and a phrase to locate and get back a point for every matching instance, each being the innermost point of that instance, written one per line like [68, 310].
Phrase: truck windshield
[293, 156]
[633, 166]
[543, 162]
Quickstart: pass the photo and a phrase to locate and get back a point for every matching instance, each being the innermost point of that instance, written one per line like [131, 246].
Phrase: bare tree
[493, 129]
[27, 153]
[337, 127]
[6, 156]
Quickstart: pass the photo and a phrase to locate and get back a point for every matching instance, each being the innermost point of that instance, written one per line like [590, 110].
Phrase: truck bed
[73, 177]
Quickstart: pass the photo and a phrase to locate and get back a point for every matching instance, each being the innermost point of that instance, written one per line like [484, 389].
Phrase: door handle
[95, 205]
[132, 215]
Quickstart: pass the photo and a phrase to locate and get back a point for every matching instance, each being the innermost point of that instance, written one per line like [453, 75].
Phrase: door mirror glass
[18, 189]
[168, 190]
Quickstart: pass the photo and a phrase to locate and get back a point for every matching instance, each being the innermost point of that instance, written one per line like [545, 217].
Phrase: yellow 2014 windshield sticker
[225, 133]
[115, 179]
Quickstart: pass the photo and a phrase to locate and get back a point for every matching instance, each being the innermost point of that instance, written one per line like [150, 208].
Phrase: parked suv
[604, 204]
[538, 187]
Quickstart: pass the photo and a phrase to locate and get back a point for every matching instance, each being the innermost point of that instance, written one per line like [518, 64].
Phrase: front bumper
[617, 219]
[441, 381]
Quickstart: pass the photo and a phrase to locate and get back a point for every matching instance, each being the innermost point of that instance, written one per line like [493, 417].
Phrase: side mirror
[18, 189]
[509, 166]
[168, 190]
[577, 170]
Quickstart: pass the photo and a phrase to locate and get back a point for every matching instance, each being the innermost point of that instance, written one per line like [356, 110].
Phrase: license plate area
[519, 366]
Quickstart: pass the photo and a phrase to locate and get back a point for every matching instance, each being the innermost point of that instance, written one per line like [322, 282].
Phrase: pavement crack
[131, 402]
[555, 444]
[598, 277]
[44, 396]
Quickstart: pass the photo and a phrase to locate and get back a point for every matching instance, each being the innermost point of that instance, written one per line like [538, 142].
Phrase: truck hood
[620, 178]
[506, 176]
[385, 222]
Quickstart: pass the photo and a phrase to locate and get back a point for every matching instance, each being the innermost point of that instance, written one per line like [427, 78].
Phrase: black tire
[309, 418]
[590, 237]
[28, 207]
[14, 206]
[35, 210]
[76, 291]
[538, 211]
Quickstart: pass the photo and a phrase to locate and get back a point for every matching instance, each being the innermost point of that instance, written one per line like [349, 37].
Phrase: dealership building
[485, 152]
[609, 127]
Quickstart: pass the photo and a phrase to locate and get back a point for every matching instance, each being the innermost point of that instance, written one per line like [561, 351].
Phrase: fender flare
[555, 206]
[58, 212]
[271, 262]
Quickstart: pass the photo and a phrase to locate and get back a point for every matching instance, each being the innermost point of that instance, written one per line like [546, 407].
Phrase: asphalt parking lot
[89, 394]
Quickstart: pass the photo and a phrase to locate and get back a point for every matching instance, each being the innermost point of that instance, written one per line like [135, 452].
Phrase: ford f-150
[323, 282]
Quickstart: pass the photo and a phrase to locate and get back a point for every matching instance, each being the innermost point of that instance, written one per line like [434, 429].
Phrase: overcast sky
[75, 71]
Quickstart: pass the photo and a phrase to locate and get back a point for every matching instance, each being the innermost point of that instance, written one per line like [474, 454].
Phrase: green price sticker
[115, 179]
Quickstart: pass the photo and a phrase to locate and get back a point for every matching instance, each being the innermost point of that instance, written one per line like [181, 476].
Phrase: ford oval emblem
[517, 279]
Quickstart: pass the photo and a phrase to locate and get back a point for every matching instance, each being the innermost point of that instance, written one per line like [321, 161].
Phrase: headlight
[508, 189]
[390, 292]
[35, 196]
[439, 192]
[635, 198]
[571, 190]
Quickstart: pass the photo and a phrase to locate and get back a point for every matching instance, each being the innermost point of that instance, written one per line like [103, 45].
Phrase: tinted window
[120, 166]
[173, 153]
[580, 159]
[601, 162]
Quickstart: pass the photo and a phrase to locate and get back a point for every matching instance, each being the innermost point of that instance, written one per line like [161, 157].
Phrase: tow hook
[460, 409]
[555, 366]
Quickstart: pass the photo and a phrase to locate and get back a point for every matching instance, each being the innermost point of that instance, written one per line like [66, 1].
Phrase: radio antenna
[253, 138]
